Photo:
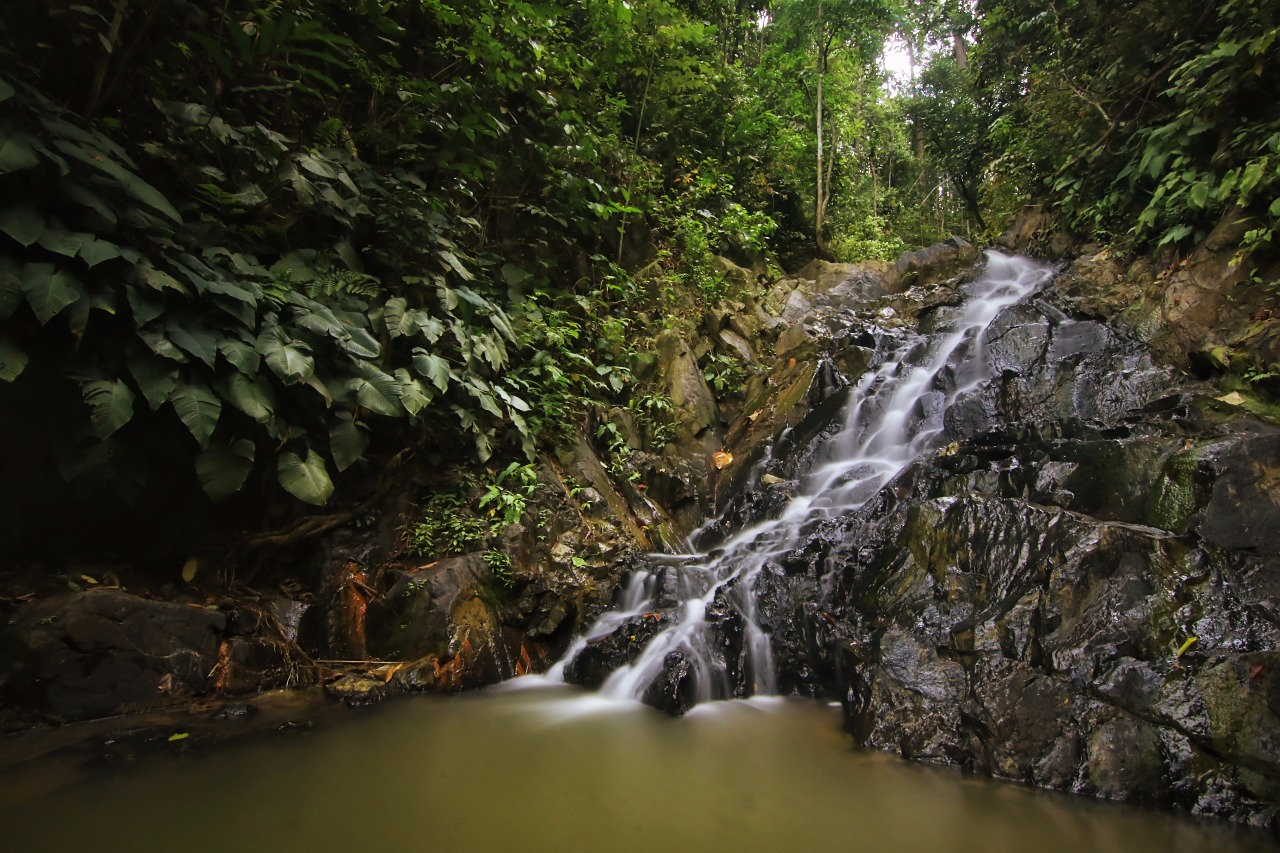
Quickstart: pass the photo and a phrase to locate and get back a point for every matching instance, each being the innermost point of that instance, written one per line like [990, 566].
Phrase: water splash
[894, 414]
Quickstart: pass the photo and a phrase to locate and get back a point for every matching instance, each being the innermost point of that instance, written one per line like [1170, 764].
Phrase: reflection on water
[550, 769]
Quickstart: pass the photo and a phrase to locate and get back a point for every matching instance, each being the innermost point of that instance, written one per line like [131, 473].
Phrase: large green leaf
[16, 155]
[194, 339]
[307, 480]
[48, 291]
[110, 405]
[6, 91]
[23, 223]
[223, 470]
[11, 293]
[12, 359]
[146, 306]
[198, 408]
[360, 343]
[155, 377]
[131, 183]
[245, 358]
[92, 300]
[413, 394]
[375, 390]
[347, 442]
[288, 359]
[95, 251]
[432, 367]
[160, 345]
[254, 398]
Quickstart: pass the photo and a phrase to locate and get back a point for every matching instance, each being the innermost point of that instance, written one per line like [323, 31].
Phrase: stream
[554, 769]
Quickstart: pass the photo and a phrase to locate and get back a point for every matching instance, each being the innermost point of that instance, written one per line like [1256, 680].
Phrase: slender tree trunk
[961, 51]
[820, 206]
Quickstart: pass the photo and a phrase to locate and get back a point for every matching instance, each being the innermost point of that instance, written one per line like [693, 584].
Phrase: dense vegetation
[247, 246]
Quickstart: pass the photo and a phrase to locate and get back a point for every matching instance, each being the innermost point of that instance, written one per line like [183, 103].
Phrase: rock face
[89, 654]
[1080, 592]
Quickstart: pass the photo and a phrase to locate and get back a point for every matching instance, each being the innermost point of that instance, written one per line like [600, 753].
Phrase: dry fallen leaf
[1232, 399]
[722, 459]
[189, 569]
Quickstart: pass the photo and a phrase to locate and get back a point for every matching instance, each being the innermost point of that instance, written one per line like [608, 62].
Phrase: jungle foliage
[245, 245]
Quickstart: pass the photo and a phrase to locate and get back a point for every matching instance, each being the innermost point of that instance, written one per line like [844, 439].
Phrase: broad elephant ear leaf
[198, 408]
[110, 405]
[305, 479]
[347, 443]
[48, 291]
[13, 359]
[11, 293]
[223, 470]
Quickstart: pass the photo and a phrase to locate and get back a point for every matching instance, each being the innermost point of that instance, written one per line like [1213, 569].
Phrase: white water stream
[894, 414]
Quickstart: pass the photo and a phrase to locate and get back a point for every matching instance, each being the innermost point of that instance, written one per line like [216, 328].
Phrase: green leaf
[12, 359]
[223, 470]
[375, 390]
[433, 367]
[398, 319]
[514, 275]
[49, 291]
[6, 91]
[11, 293]
[16, 155]
[95, 251]
[198, 408]
[451, 260]
[194, 339]
[253, 397]
[307, 480]
[413, 394]
[243, 357]
[288, 359]
[158, 279]
[160, 345]
[110, 405]
[131, 183]
[90, 301]
[347, 443]
[361, 344]
[61, 242]
[156, 378]
[146, 306]
[23, 223]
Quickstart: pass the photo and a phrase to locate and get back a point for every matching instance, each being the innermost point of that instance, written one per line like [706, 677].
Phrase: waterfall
[893, 415]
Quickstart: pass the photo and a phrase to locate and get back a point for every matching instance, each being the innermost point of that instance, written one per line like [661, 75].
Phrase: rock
[927, 266]
[358, 690]
[684, 383]
[90, 654]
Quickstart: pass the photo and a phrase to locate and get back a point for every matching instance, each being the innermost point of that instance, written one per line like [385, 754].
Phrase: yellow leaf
[189, 569]
[1188, 643]
[722, 459]
[1232, 399]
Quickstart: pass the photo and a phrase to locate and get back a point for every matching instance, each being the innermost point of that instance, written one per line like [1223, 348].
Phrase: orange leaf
[722, 459]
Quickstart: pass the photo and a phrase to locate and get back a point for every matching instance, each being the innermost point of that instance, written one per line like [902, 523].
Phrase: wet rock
[601, 657]
[674, 691]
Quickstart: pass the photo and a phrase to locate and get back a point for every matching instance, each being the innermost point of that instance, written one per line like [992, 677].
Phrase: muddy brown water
[552, 769]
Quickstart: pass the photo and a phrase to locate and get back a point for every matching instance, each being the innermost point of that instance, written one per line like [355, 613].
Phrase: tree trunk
[820, 205]
[961, 51]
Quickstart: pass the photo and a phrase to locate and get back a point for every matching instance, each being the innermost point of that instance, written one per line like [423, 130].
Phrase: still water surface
[551, 769]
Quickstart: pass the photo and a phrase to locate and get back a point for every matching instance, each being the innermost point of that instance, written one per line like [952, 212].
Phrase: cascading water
[894, 414]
